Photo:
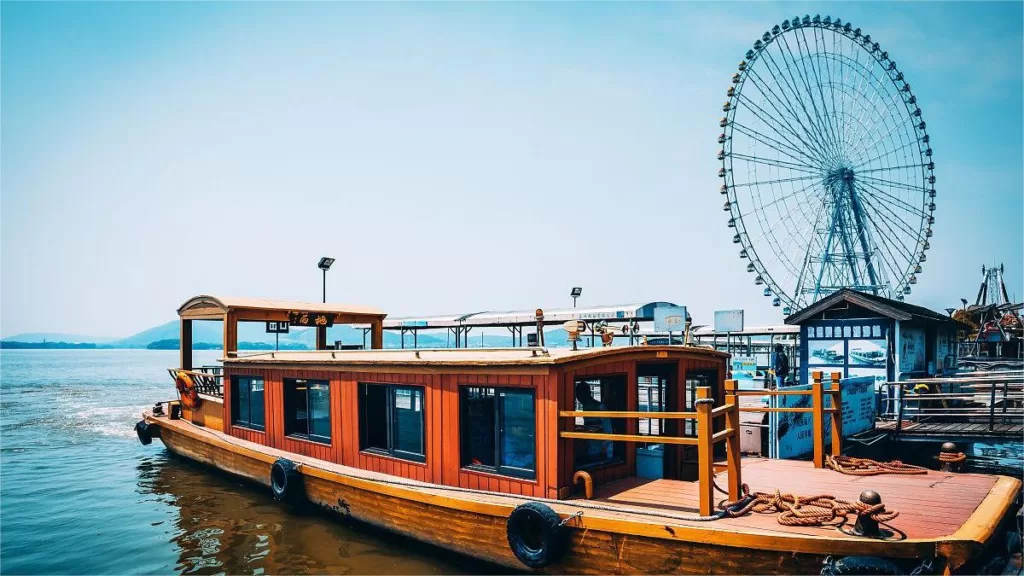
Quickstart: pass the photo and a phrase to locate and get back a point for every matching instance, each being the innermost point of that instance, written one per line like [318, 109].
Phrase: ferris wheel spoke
[816, 69]
[779, 181]
[791, 82]
[833, 118]
[783, 148]
[890, 264]
[761, 207]
[892, 168]
[888, 198]
[894, 220]
[777, 163]
[771, 97]
[876, 139]
[801, 70]
[893, 184]
[884, 154]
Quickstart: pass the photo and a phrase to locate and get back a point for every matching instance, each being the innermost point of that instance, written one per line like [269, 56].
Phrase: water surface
[80, 495]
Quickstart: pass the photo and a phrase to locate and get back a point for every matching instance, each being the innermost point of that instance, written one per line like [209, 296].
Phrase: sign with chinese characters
[793, 430]
[311, 319]
[606, 315]
[670, 319]
[728, 320]
[277, 327]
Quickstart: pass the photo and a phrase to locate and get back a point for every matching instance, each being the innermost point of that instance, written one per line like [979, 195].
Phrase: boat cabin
[506, 420]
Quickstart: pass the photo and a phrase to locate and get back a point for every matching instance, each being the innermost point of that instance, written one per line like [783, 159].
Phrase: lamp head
[325, 263]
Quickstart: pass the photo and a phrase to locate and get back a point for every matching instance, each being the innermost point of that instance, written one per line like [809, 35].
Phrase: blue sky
[453, 157]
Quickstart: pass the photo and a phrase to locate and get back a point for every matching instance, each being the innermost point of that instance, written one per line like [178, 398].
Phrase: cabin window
[392, 421]
[307, 409]
[605, 393]
[498, 430]
[247, 402]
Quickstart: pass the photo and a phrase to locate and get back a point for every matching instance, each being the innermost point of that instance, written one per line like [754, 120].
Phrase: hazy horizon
[453, 157]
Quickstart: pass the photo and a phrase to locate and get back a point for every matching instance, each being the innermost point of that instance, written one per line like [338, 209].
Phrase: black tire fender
[536, 535]
[855, 565]
[145, 432]
[285, 480]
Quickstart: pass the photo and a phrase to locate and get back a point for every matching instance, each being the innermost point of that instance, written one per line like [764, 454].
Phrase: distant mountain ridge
[210, 334]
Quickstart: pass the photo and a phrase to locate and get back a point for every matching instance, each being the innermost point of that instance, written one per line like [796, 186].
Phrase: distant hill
[210, 334]
[57, 337]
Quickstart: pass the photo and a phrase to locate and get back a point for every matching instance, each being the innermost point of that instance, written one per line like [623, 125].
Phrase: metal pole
[277, 340]
[325, 286]
[992, 406]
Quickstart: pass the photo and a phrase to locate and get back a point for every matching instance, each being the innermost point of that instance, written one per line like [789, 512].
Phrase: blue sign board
[793, 431]
[670, 319]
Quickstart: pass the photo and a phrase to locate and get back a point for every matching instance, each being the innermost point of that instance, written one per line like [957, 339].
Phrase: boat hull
[481, 534]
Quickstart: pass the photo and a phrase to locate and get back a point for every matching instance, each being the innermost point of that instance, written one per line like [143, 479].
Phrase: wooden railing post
[837, 415]
[818, 419]
[732, 443]
[705, 451]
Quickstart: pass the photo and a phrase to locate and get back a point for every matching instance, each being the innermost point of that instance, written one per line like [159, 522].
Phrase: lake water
[80, 495]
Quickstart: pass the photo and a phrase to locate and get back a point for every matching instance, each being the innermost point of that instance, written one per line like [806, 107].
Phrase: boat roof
[893, 309]
[206, 306]
[464, 356]
[640, 312]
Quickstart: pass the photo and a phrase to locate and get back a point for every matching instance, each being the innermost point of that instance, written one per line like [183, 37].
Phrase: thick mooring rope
[951, 457]
[867, 467]
[793, 510]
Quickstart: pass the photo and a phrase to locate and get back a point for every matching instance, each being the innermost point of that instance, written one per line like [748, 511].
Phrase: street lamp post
[325, 265]
[576, 291]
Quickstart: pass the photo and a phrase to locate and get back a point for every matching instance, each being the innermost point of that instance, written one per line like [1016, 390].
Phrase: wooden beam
[625, 414]
[377, 336]
[705, 454]
[818, 421]
[230, 335]
[629, 438]
[837, 414]
[185, 344]
[321, 338]
[732, 442]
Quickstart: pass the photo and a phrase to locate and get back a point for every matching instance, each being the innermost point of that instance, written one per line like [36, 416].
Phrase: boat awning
[641, 312]
[206, 307]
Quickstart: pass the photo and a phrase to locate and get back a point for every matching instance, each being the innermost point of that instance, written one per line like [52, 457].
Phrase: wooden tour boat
[529, 457]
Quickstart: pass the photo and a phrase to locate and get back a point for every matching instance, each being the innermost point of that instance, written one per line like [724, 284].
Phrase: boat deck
[933, 505]
[930, 505]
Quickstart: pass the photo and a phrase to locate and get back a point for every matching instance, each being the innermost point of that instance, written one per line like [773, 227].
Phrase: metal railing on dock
[992, 400]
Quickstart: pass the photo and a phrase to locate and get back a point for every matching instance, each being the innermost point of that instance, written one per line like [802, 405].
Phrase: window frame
[308, 436]
[248, 425]
[499, 414]
[391, 451]
[620, 448]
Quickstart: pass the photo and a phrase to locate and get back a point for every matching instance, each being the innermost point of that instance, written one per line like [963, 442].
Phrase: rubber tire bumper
[536, 535]
[864, 565]
[142, 429]
[285, 480]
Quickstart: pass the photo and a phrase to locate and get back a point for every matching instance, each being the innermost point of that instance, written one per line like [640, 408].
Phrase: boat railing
[989, 399]
[208, 379]
[818, 392]
[703, 414]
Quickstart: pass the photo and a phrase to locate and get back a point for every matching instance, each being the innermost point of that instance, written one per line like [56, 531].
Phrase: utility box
[650, 462]
[754, 433]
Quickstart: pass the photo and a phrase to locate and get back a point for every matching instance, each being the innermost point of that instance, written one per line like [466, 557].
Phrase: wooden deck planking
[930, 505]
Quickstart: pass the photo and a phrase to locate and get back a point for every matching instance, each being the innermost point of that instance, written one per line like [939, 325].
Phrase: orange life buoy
[187, 388]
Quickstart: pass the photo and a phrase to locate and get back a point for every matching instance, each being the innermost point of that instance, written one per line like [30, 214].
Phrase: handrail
[625, 414]
[818, 393]
[206, 383]
[706, 438]
[983, 399]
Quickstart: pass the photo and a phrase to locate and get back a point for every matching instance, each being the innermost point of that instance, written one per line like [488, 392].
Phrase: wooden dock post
[705, 452]
[837, 414]
[818, 419]
[732, 442]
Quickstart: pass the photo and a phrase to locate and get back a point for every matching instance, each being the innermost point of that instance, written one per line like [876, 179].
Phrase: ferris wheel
[826, 165]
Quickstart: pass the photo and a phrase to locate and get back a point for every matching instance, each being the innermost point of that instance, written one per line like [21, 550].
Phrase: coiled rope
[952, 457]
[793, 510]
[867, 467]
